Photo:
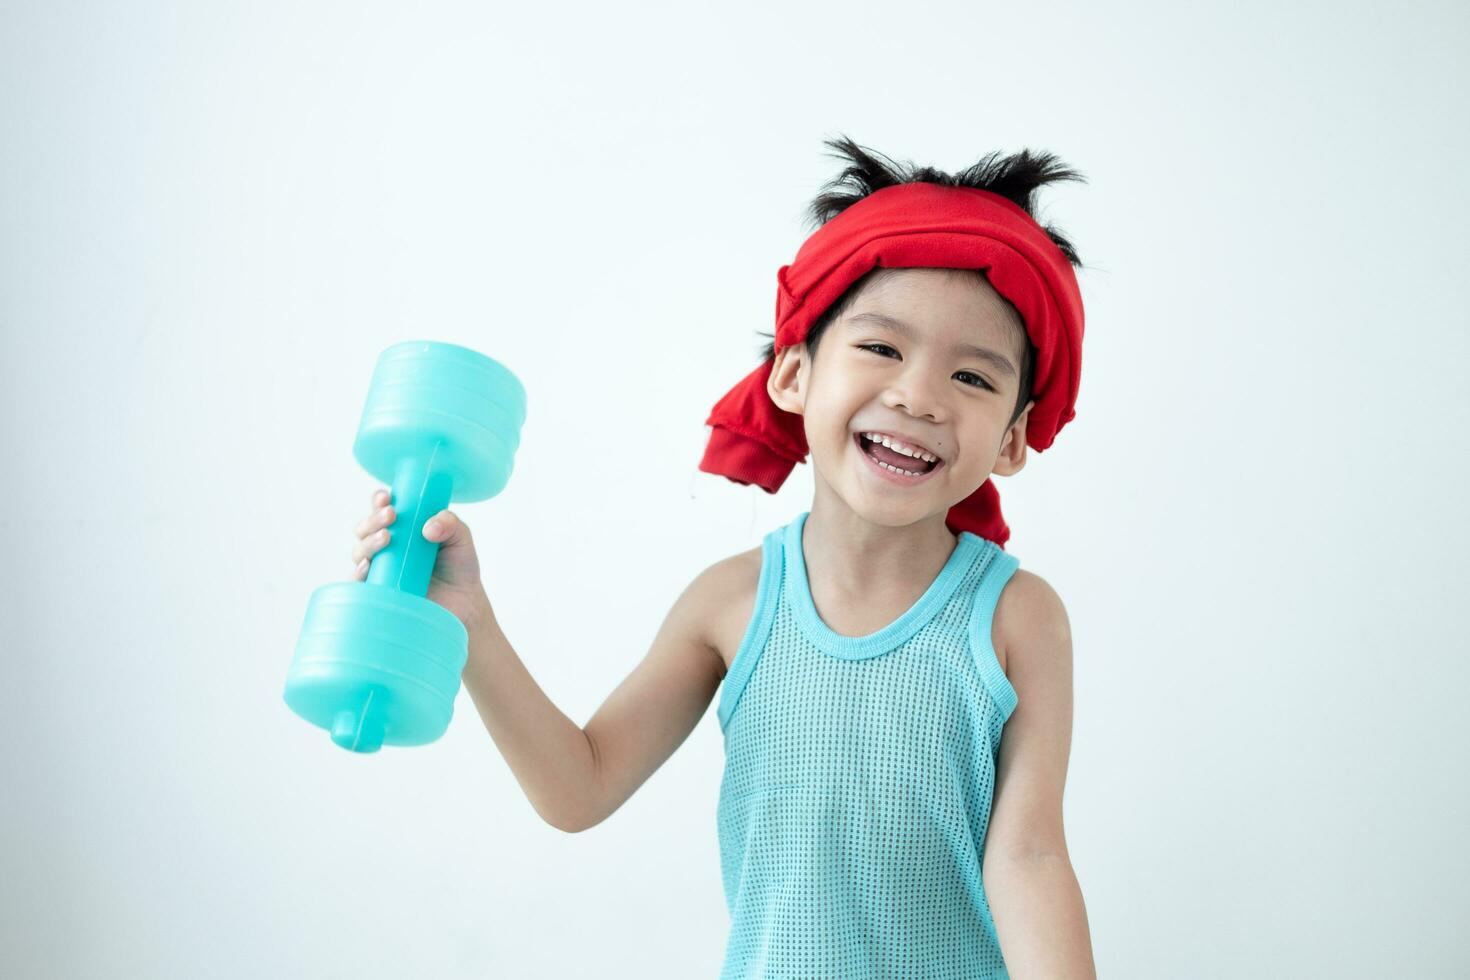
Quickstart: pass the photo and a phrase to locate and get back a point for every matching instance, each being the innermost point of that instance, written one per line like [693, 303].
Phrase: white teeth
[900, 447]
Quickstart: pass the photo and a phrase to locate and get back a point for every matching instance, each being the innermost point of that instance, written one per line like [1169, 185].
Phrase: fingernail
[431, 528]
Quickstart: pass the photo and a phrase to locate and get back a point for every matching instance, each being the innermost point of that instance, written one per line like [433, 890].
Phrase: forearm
[548, 752]
[1040, 918]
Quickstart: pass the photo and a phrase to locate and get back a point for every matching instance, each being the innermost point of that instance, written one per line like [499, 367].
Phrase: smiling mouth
[894, 461]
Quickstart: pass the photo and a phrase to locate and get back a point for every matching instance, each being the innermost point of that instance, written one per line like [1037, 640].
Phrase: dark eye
[969, 374]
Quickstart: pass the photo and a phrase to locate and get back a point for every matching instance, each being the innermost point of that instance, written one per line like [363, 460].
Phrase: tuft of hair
[1016, 177]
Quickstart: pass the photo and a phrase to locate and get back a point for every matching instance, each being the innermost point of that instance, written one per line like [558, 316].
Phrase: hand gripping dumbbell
[376, 662]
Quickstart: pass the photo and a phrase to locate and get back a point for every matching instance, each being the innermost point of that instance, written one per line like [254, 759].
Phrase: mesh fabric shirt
[859, 773]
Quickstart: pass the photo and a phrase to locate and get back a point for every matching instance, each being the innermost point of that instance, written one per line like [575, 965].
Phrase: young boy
[872, 820]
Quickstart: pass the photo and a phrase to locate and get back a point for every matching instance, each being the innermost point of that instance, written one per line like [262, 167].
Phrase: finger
[381, 517]
[371, 545]
[360, 572]
[381, 496]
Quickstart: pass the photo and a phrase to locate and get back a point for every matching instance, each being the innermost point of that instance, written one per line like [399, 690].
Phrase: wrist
[483, 631]
[479, 615]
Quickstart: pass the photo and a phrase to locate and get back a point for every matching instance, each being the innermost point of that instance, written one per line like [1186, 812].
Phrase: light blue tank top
[858, 779]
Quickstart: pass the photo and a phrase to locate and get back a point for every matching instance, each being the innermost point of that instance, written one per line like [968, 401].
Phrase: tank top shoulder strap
[999, 566]
[767, 596]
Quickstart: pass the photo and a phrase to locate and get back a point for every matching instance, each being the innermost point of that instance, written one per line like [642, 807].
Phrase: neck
[857, 556]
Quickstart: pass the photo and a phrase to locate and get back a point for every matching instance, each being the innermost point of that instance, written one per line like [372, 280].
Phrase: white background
[213, 217]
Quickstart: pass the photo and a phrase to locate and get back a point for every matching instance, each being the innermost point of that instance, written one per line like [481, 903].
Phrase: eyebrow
[999, 361]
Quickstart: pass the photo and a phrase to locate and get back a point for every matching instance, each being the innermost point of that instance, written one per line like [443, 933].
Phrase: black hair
[1015, 177]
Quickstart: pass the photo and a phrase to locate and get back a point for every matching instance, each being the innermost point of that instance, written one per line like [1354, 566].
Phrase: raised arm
[575, 777]
[657, 705]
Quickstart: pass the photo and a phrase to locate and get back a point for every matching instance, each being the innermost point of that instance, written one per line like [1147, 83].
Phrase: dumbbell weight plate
[376, 666]
[463, 406]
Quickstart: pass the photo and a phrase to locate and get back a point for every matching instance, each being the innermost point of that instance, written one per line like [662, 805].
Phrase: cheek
[827, 426]
[832, 409]
[835, 414]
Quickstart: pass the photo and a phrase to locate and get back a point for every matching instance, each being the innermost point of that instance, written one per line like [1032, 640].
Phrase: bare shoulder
[724, 594]
[1028, 608]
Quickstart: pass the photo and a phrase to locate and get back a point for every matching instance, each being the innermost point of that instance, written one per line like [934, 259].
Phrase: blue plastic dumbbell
[376, 662]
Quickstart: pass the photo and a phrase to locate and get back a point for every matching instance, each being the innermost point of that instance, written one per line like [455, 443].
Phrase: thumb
[445, 527]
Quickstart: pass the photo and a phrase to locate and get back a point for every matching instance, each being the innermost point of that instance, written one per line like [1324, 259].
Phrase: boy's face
[955, 403]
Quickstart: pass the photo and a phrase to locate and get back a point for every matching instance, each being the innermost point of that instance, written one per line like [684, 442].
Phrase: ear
[1012, 455]
[788, 381]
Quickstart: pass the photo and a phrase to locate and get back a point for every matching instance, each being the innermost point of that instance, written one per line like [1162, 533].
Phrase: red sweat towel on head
[912, 225]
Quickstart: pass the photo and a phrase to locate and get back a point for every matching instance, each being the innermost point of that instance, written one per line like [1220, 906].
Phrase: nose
[914, 391]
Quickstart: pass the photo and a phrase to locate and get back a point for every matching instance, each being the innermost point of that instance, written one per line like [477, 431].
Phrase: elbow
[567, 824]
[1023, 855]
[575, 811]
[572, 823]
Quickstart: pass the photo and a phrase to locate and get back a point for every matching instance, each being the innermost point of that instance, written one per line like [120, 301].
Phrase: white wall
[213, 217]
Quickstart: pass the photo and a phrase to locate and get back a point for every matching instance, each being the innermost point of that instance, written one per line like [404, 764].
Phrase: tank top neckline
[829, 641]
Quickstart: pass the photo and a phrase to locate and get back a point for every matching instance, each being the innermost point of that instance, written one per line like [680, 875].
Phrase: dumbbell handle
[419, 492]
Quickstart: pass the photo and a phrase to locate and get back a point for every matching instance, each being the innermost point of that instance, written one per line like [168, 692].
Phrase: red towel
[918, 224]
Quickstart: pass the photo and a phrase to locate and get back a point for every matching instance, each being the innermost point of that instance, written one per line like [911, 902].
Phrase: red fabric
[904, 226]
